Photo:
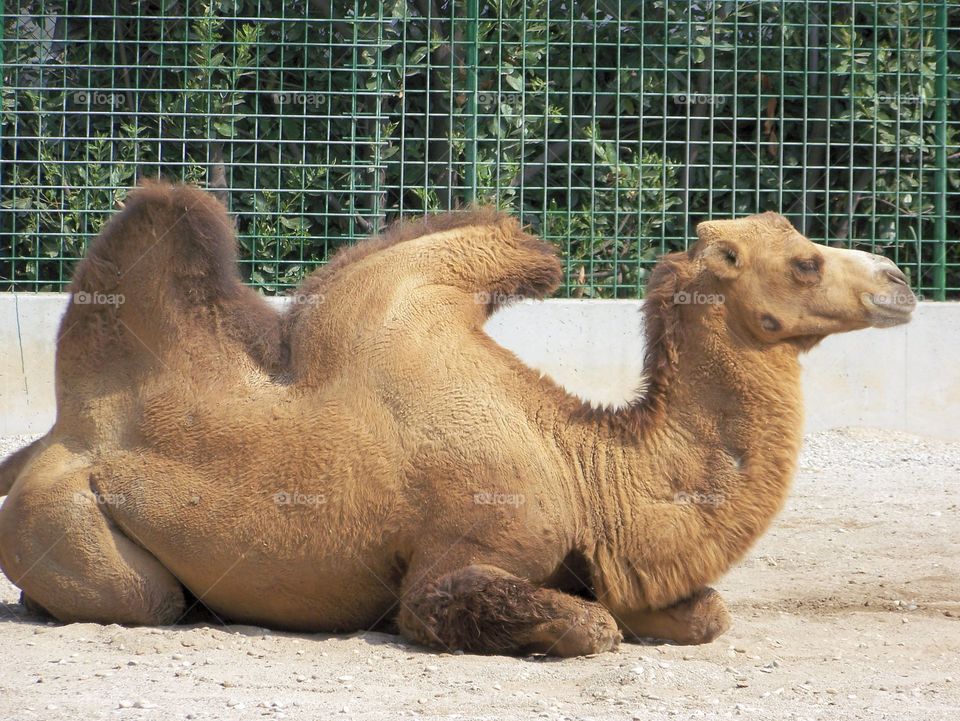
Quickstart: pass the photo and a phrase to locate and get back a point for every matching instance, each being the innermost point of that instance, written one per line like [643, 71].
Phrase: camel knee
[483, 609]
[469, 609]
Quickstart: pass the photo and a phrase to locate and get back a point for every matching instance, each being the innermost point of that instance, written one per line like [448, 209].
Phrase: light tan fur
[373, 455]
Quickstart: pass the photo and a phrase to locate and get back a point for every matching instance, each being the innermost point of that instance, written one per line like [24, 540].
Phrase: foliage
[611, 127]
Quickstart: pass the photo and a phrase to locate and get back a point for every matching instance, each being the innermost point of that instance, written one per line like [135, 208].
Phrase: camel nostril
[896, 275]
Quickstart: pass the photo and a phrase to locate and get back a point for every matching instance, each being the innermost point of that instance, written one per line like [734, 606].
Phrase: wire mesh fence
[611, 127]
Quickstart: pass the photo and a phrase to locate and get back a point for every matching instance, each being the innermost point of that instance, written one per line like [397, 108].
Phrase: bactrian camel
[371, 457]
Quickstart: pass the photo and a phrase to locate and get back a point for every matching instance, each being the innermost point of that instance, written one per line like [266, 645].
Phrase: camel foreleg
[484, 609]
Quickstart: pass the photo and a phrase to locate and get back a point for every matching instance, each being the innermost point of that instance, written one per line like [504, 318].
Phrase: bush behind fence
[611, 127]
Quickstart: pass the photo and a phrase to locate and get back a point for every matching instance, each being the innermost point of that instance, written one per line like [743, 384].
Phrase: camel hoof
[608, 637]
[705, 616]
[595, 632]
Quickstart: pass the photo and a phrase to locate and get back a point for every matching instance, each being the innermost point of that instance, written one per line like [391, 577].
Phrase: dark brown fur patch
[473, 610]
[662, 329]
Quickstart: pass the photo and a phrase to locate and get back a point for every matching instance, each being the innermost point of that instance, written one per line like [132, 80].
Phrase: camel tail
[162, 278]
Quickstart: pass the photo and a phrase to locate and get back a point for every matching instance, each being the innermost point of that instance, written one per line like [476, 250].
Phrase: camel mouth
[890, 308]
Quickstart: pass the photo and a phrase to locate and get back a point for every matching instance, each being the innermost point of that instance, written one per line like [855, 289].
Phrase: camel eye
[730, 255]
[807, 266]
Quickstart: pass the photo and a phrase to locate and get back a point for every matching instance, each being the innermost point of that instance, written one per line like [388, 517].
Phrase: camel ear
[722, 256]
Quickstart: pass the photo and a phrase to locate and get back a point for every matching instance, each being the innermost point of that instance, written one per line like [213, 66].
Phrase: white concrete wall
[905, 378]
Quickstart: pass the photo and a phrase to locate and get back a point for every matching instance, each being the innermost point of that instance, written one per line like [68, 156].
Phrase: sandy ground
[849, 608]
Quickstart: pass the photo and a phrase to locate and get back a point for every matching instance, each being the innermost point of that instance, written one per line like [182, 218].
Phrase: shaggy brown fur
[482, 609]
[398, 461]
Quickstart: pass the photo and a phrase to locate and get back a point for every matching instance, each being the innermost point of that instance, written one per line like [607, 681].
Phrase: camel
[370, 458]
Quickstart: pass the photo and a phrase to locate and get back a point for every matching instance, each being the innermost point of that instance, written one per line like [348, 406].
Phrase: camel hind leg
[70, 560]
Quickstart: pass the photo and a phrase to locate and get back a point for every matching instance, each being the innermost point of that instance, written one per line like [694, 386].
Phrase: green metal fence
[611, 127]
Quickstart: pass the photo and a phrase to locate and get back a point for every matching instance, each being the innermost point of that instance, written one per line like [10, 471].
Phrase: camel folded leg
[694, 620]
[70, 560]
[483, 609]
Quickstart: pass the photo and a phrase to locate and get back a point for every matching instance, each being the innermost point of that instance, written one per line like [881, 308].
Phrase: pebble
[344, 679]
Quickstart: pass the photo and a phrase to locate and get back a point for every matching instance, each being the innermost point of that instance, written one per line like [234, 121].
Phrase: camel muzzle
[893, 305]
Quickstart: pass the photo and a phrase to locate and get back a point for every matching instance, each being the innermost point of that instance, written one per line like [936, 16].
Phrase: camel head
[777, 285]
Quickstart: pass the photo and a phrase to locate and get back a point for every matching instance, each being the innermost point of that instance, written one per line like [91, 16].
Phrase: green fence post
[940, 182]
[473, 20]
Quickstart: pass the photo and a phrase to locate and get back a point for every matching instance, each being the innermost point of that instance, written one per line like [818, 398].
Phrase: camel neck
[698, 468]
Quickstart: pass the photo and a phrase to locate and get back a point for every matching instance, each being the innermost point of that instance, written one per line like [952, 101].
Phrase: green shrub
[611, 132]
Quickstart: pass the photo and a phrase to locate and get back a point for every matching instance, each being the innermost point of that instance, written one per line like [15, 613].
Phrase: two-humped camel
[373, 456]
